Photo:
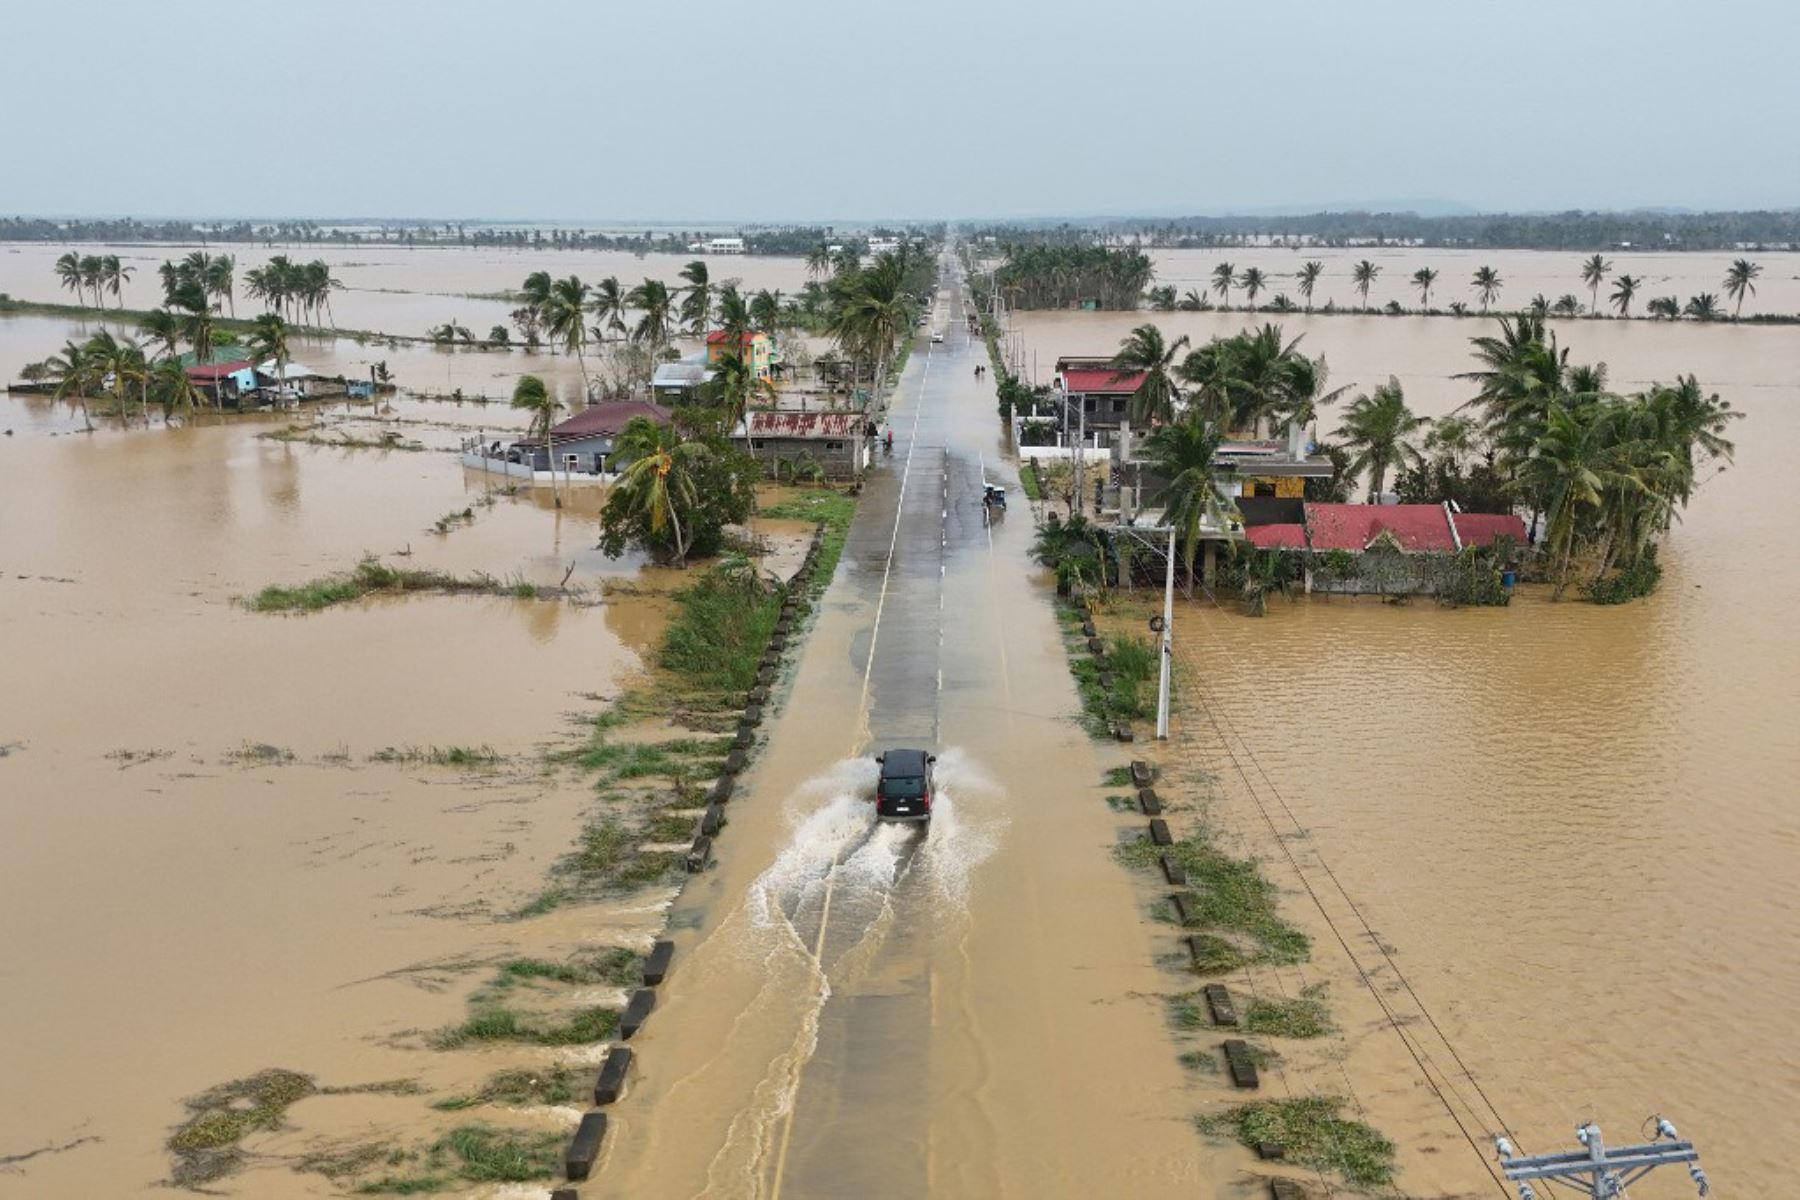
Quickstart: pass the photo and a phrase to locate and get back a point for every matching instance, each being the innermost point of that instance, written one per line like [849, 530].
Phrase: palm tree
[115, 275]
[1308, 277]
[1740, 279]
[1376, 430]
[654, 306]
[196, 318]
[122, 361]
[1574, 466]
[161, 325]
[609, 307]
[1624, 288]
[565, 320]
[1593, 273]
[1182, 455]
[93, 274]
[765, 311]
[530, 395]
[1222, 277]
[696, 300]
[818, 260]
[659, 484]
[269, 340]
[221, 279]
[1252, 281]
[68, 269]
[1363, 275]
[73, 373]
[1665, 306]
[1143, 350]
[1487, 285]
[1704, 307]
[736, 385]
[1423, 278]
[172, 387]
[873, 313]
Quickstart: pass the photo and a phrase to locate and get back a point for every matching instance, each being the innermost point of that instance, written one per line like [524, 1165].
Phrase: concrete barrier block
[1150, 802]
[637, 1011]
[1088, 629]
[610, 1084]
[1271, 1151]
[722, 789]
[1096, 647]
[757, 695]
[1106, 681]
[712, 820]
[1172, 870]
[584, 1147]
[753, 714]
[1218, 1002]
[699, 854]
[1184, 905]
[1141, 774]
[734, 762]
[1286, 1189]
[1159, 832]
[1239, 1062]
[1122, 731]
[746, 737]
[566, 1194]
[656, 963]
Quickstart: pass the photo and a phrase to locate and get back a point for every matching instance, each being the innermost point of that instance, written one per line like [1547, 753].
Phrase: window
[834, 446]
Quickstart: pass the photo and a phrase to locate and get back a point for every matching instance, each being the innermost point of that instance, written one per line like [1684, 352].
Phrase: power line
[1599, 1171]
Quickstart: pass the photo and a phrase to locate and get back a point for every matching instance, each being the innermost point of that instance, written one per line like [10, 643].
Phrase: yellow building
[758, 350]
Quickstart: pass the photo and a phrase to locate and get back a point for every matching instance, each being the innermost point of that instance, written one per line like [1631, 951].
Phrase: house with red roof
[582, 447]
[1402, 542]
[1098, 394]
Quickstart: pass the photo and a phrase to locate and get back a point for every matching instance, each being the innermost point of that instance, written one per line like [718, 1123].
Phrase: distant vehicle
[937, 335]
[905, 788]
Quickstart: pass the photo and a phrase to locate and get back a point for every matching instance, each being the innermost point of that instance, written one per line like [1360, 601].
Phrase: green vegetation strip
[371, 576]
[1311, 1133]
[206, 1147]
[475, 1154]
[833, 511]
[1304, 1016]
[1231, 897]
[558, 1085]
[494, 1022]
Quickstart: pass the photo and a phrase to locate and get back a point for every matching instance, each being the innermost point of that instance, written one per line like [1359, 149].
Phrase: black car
[905, 790]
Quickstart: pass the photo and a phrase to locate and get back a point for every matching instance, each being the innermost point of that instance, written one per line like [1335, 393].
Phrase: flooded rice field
[1574, 826]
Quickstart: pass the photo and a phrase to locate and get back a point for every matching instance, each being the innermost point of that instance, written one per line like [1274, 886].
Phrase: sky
[856, 110]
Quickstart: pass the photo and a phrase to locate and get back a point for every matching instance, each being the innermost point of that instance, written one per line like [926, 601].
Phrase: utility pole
[1168, 643]
[1599, 1171]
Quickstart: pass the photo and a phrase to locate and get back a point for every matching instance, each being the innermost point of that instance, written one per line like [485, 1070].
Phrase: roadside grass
[1304, 1016]
[558, 1085]
[494, 1022]
[1028, 480]
[717, 635]
[475, 1154]
[447, 756]
[618, 967]
[1230, 894]
[206, 1146]
[1187, 1011]
[1313, 1134]
[371, 576]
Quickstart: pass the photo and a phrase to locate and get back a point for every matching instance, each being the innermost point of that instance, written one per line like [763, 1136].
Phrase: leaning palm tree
[1223, 276]
[221, 279]
[68, 270]
[735, 386]
[172, 388]
[1739, 280]
[72, 374]
[1363, 275]
[765, 311]
[659, 484]
[1487, 285]
[116, 275]
[1143, 349]
[162, 326]
[1575, 465]
[1423, 279]
[1624, 288]
[1308, 278]
[1593, 273]
[1192, 495]
[696, 300]
[1252, 281]
[818, 260]
[196, 317]
[1376, 431]
[655, 309]
[565, 320]
[93, 275]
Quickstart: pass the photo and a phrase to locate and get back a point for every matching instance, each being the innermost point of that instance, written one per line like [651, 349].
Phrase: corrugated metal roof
[609, 417]
[1480, 529]
[218, 370]
[805, 424]
[1286, 537]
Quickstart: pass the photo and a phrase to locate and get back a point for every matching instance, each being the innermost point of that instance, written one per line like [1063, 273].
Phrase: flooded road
[884, 1011]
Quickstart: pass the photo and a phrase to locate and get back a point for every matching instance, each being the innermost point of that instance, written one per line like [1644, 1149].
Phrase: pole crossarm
[1598, 1170]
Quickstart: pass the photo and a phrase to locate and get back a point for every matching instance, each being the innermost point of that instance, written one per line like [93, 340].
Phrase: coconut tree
[565, 320]
[696, 299]
[269, 340]
[1486, 282]
[872, 314]
[1741, 278]
[116, 275]
[609, 308]
[73, 375]
[1363, 276]
[1423, 279]
[1308, 278]
[171, 387]
[659, 484]
[1182, 454]
[1624, 288]
[1144, 349]
[531, 396]
[93, 275]
[766, 311]
[1222, 278]
[1376, 430]
[735, 386]
[1704, 307]
[1574, 466]
[196, 317]
[1253, 282]
[655, 308]
[1593, 273]
[221, 279]
[68, 270]
[162, 326]
[818, 260]
[121, 364]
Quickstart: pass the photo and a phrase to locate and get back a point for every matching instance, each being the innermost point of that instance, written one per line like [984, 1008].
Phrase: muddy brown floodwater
[202, 874]
[1576, 826]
